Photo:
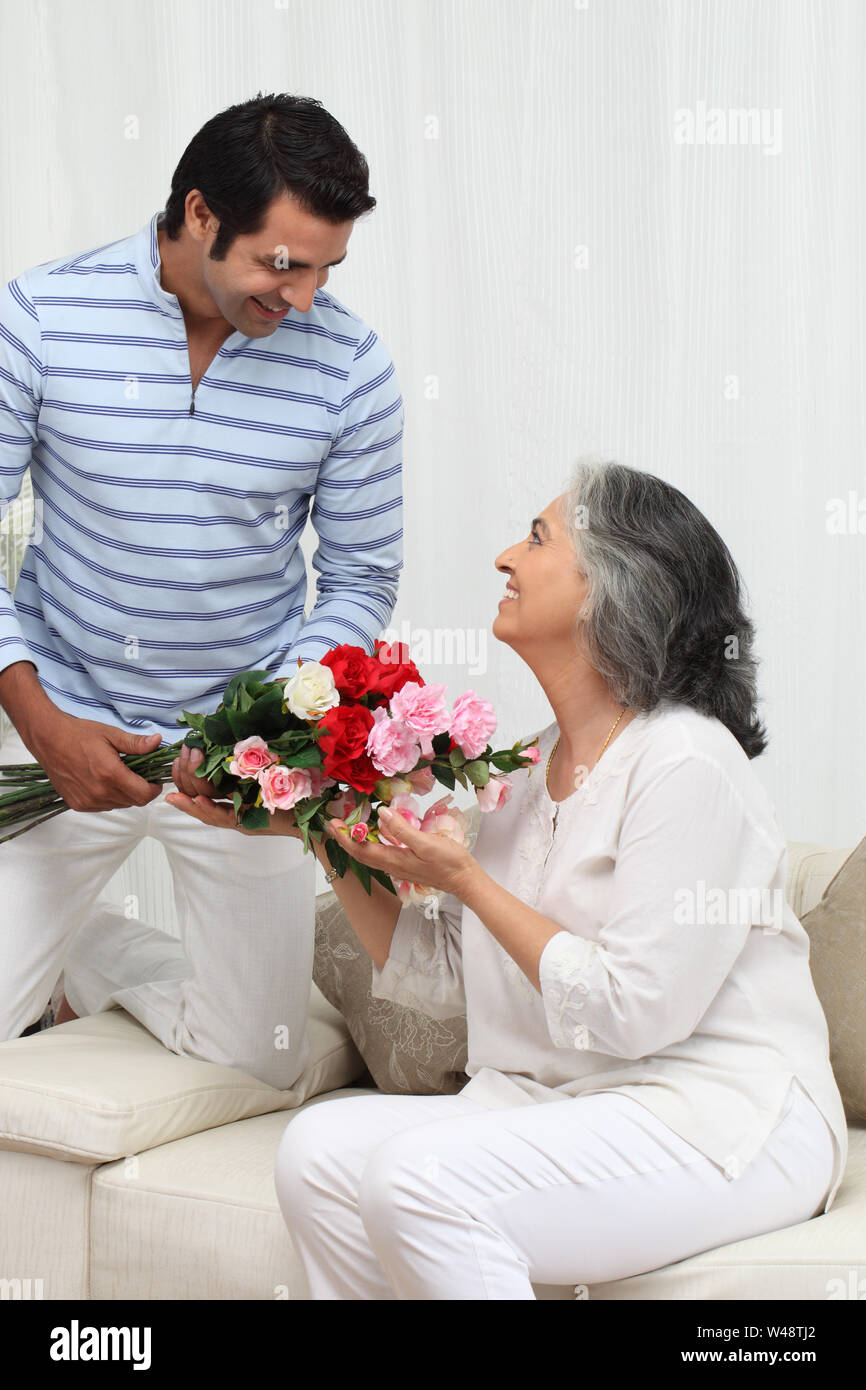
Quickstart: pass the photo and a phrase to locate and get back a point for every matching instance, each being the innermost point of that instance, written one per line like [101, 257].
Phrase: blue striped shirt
[165, 553]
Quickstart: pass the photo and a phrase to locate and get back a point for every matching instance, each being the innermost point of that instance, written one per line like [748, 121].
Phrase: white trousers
[438, 1197]
[234, 989]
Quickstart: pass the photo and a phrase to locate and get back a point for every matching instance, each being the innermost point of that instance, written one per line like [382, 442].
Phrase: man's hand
[183, 772]
[221, 815]
[82, 760]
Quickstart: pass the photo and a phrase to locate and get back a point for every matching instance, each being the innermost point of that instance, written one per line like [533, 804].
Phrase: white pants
[438, 1197]
[235, 988]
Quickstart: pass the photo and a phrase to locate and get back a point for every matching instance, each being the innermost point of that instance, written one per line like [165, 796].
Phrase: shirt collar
[149, 267]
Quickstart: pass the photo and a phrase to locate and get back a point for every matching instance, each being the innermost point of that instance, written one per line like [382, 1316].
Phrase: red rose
[390, 675]
[343, 742]
[352, 669]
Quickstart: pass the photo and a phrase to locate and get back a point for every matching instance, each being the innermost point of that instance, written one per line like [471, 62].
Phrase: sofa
[130, 1172]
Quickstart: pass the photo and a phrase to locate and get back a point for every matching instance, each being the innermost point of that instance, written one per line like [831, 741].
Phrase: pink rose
[422, 781]
[283, 786]
[318, 780]
[406, 806]
[411, 893]
[423, 708]
[344, 804]
[443, 818]
[389, 787]
[494, 795]
[358, 831]
[472, 722]
[391, 744]
[250, 757]
[532, 754]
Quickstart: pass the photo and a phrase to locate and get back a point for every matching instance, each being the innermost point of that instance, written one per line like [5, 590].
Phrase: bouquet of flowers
[340, 737]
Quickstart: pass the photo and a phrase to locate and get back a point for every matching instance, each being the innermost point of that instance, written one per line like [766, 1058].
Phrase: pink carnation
[391, 744]
[250, 757]
[283, 786]
[424, 709]
[494, 795]
[472, 723]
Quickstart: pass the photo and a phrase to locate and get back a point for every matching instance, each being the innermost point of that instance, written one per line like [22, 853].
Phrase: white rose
[311, 692]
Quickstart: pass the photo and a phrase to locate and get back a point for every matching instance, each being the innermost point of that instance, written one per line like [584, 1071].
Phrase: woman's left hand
[429, 858]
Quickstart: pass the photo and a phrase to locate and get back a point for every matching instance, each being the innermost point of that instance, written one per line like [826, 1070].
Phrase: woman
[648, 1059]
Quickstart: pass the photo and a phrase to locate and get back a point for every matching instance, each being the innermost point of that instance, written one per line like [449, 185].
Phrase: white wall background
[553, 273]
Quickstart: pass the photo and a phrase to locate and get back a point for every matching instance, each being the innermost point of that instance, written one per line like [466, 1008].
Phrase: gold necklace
[603, 746]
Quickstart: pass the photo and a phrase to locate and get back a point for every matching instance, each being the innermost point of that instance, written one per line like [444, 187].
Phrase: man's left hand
[183, 774]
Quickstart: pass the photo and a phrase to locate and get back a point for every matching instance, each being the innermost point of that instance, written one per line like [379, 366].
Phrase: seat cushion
[199, 1218]
[818, 1260]
[102, 1087]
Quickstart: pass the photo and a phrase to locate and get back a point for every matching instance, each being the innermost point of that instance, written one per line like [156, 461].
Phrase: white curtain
[630, 226]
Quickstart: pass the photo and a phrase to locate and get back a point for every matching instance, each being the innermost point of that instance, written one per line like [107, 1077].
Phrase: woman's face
[549, 589]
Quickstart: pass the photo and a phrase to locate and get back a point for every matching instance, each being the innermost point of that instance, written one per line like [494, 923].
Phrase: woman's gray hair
[663, 616]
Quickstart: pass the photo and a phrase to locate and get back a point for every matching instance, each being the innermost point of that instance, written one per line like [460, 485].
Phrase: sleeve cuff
[562, 970]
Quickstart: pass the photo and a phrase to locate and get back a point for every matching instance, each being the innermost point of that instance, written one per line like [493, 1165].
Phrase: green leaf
[503, 761]
[303, 757]
[441, 744]
[295, 735]
[456, 757]
[194, 721]
[266, 713]
[385, 879]
[304, 811]
[256, 818]
[361, 871]
[218, 730]
[240, 724]
[338, 857]
[444, 774]
[213, 759]
[357, 814]
[243, 680]
[478, 773]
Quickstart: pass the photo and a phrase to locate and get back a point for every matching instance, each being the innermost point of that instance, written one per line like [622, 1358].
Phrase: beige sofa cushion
[837, 959]
[199, 1219]
[102, 1087]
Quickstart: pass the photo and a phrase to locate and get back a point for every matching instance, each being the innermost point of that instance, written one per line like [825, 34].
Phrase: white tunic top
[681, 974]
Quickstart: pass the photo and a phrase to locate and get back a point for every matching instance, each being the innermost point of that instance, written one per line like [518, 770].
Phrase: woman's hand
[432, 859]
[222, 815]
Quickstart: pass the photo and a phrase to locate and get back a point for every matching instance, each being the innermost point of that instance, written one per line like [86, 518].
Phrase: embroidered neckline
[611, 763]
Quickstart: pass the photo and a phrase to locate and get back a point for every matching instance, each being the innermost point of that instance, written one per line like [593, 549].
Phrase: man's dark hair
[253, 152]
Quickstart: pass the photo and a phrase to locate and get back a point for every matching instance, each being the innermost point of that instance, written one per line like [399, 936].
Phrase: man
[179, 397]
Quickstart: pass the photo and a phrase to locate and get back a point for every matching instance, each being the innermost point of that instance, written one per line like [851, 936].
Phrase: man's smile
[272, 315]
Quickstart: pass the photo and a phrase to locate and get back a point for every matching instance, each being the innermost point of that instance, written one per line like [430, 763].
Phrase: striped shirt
[165, 556]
